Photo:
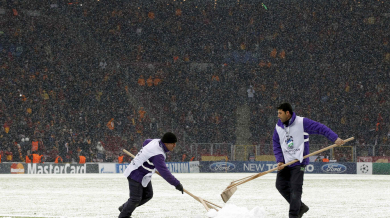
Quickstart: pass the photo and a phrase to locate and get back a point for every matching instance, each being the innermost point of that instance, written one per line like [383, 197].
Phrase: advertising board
[262, 166]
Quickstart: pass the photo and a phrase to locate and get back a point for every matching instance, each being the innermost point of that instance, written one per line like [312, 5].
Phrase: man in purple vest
[291, 142]
[139, 172]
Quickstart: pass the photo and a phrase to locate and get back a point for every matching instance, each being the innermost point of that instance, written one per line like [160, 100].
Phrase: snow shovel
[207, 204]
[232, 188]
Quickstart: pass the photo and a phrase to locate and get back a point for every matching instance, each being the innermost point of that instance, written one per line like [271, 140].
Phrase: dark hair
[286, 107]
[169, 138]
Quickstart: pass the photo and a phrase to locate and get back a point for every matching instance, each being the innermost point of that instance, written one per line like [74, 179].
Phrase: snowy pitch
[99, 195]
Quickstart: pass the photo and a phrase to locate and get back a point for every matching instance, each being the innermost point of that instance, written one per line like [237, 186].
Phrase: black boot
[303, 210]
[120, 208]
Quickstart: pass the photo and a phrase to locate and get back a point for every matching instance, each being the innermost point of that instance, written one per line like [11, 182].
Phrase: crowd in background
[92, 79]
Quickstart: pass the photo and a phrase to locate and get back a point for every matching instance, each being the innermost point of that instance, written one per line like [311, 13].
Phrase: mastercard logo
[17, 168]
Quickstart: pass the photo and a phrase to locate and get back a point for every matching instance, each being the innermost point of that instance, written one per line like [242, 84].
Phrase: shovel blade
[227, 194]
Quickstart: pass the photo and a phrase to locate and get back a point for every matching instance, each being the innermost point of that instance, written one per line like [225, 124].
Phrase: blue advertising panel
[178, 167]
[235, 166]
[335, 168]
[120, 168]
[174, 167]
[262, 166]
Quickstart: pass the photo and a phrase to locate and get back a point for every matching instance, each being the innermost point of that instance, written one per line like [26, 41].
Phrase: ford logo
[222, 166]
[334, 168]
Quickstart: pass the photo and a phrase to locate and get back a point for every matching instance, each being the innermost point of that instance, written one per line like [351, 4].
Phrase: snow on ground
[233, 211]
[99, 195]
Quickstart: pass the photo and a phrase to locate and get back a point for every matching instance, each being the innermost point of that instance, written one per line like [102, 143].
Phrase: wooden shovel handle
[208, 202]
[247, 179]
[238, 180]
[250, 178]
[128, 153]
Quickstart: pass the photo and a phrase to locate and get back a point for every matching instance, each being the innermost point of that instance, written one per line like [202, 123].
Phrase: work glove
[180, 188]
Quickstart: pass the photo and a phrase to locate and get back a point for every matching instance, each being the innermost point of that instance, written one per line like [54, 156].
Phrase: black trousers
[139, 195]
[289, 182]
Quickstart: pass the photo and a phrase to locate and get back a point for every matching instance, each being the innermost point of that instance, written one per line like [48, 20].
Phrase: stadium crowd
[92, 79]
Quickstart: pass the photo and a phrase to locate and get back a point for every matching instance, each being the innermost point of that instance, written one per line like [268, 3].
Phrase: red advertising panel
[374, 159]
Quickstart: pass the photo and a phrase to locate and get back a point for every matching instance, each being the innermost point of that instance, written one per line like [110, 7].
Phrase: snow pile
[232, 211]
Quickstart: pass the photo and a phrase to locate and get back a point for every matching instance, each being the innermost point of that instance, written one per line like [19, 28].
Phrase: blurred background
[93, 77]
